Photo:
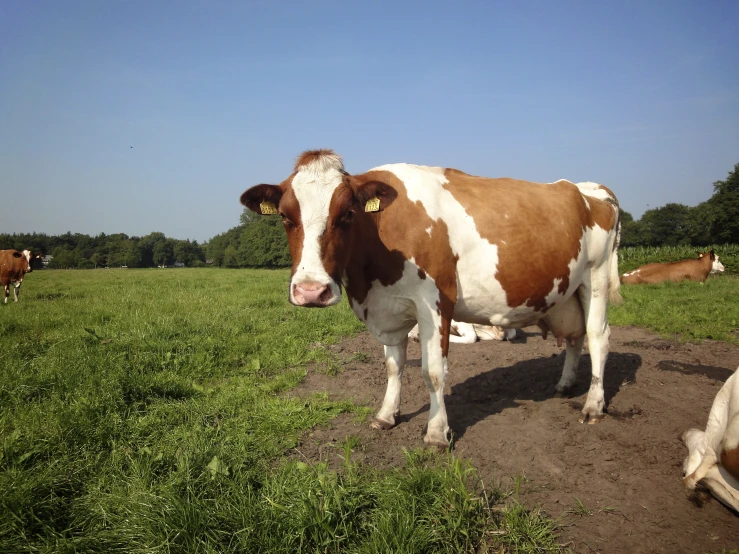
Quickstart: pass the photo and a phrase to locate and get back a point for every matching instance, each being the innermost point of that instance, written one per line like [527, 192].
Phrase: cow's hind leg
[395, 357]
[434, 353]
[594, 297]
[7, 292]
[572, 361]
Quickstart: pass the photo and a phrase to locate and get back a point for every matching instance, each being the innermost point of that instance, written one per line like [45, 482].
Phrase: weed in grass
[580, 508]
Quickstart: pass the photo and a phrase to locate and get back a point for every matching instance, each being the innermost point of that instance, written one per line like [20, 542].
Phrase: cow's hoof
[439, 446]
[564, 393]
[591, 419]
[381, 424]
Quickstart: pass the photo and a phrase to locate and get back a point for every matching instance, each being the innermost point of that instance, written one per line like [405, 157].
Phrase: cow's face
[28, 257]
[34, 259]
[321, 207]
[716, 266]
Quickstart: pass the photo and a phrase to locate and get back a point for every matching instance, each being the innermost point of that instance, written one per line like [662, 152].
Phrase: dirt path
[626, 470]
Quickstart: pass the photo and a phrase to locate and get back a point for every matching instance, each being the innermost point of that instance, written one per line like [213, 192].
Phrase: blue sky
[143, 116]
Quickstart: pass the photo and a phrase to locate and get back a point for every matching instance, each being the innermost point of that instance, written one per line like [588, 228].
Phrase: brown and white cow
[414, 244]
[468, 333]
[713, 454]
[13, 266]
[696, 269]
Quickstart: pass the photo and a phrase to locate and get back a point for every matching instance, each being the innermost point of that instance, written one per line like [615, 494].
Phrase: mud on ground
[615, 486]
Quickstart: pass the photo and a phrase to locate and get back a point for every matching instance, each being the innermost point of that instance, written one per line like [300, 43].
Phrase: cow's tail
[614, 279]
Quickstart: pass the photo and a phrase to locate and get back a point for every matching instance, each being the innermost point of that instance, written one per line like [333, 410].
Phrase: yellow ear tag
[372, 205]
[268, 208]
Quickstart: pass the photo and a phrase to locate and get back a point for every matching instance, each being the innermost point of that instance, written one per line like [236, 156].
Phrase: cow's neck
[370, 260]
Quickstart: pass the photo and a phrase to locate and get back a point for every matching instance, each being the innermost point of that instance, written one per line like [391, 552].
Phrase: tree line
[260, 241]
[715, 221]
[79, 251]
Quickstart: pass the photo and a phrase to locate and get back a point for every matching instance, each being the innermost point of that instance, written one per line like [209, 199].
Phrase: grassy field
[142, 411]
[687, 310]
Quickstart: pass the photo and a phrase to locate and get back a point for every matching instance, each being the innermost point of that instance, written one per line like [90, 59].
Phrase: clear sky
[138, 116]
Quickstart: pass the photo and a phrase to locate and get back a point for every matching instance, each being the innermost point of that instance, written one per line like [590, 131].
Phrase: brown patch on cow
[385, 240]
[602, 212]
[539, 238]
[421, 274]
[322, 155]
[730, 461]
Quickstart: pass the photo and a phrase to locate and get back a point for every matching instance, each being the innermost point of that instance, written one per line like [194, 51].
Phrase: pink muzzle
[311, 294]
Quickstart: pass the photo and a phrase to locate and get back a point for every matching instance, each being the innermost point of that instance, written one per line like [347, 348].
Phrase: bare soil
[615, 486]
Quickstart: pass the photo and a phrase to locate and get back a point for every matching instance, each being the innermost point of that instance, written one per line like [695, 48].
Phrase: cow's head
[321, 206]
[34, 260]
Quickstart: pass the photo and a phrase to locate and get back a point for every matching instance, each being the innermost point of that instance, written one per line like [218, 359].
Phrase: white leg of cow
[594, 298]
[395, 357]
[572, 361]
[434, 350]
[7, 292]
[15, 291]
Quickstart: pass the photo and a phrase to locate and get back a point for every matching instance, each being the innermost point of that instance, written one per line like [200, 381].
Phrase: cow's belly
[482, 299]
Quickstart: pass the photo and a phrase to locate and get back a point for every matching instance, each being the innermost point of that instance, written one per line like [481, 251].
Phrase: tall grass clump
[144, 411]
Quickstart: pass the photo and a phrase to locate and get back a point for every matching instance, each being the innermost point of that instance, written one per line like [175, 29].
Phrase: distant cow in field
[414, 244]
[696, 269]
[13, 266]
[468, 333]
[713, 454]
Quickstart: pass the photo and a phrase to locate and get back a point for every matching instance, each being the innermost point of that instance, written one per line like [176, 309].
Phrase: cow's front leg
[434, 353]
[395, 358]
[6, 289]
[16, 291]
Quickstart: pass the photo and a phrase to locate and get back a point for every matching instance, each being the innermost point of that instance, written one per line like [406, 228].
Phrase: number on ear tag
[372, 205]
[268, 208]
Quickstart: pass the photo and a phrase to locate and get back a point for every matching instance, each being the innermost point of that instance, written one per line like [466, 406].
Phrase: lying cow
[468, 333]
[696, 269]
[713, 454]
[13, 266]
[414, 244]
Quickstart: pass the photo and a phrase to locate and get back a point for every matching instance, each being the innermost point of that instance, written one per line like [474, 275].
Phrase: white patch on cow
[27, 254]
[429, 231]
[594, 190]
[403, 299]
[717, 267]
[314, 185]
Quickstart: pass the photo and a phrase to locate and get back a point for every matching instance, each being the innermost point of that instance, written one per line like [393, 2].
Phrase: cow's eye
[348, 217]
[286, 221]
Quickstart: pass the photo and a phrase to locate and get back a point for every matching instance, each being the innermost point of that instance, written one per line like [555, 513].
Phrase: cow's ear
[375, 196]
[713, 256]
[17, 254]
[262, 199]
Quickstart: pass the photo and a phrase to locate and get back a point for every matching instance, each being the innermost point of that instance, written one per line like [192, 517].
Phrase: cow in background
[696, 269]
[468, 333]
[415, 244]
[713, 454]
[13, 266]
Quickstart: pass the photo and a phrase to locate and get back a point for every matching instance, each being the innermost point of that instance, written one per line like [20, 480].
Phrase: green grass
[688, 310]
[144, 411]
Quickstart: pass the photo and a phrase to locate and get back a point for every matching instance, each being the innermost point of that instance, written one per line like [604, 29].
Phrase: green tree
[667, 225]
[725, 209]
